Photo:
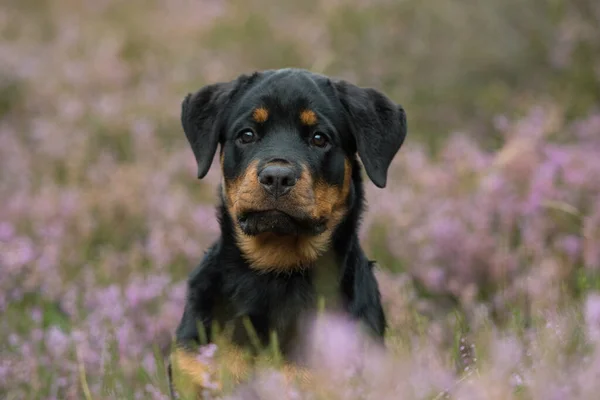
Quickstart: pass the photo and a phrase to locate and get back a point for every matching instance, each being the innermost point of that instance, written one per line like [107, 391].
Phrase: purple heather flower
[37, 335]
[36, 315]
[571, 245]
[205, 217]
[149, 363]
[18, 254]
[57, 342]
[155, 393]
[6, 231]
[592, 316]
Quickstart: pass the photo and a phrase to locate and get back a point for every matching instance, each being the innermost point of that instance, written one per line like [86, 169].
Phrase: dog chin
[279, 223]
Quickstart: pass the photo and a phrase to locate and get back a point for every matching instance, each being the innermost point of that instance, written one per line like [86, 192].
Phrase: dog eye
[319, 139]
[247, 136]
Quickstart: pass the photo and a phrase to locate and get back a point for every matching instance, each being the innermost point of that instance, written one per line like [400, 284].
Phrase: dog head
[288, 139]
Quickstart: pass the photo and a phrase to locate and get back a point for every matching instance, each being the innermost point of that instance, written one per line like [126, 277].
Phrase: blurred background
[489, 226]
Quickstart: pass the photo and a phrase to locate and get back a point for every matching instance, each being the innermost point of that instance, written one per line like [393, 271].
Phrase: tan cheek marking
[260, 115]
[222, 160]
[250, 194]
[303, 196]
[242, 189]
[231, 189]
[347, 180]
[331, 200]
[308, 117]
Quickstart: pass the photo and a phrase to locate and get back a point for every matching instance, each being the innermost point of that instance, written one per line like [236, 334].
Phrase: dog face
[288, 139]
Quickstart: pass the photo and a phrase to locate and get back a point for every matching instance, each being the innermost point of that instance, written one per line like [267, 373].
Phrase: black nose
[277, 179]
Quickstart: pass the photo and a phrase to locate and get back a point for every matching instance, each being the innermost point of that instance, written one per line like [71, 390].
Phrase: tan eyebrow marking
[260, 115]
[308, 117]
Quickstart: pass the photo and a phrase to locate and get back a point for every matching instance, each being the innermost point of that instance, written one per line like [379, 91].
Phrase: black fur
[224, 288]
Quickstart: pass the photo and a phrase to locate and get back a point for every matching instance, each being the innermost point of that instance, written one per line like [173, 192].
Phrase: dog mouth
[279, 223]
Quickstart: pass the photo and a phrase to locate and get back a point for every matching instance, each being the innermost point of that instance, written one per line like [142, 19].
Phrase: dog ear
[202, 117]
[378, 126]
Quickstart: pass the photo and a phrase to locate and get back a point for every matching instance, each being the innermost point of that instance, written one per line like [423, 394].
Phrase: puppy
[291, 200]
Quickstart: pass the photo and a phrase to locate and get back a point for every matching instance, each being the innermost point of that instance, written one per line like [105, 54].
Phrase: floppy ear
[378, 126]
[201, 118]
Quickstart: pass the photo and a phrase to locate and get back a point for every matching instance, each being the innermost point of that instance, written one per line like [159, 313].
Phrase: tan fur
[284, 253]
[308, 117]
[268, 252]
[236, 362]
[330, 200]
[294, 374]
[245, 192]
[190, 375]
[260, 115]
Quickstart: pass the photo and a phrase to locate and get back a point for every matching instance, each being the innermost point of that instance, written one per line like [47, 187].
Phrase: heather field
[487, 236]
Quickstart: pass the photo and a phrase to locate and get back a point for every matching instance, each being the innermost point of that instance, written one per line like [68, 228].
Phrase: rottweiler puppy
[291, 199]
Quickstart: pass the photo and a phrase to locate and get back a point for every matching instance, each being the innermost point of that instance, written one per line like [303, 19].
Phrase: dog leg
[190, 377]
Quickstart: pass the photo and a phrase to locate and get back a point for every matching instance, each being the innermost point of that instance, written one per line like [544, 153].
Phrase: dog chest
[279, 303]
